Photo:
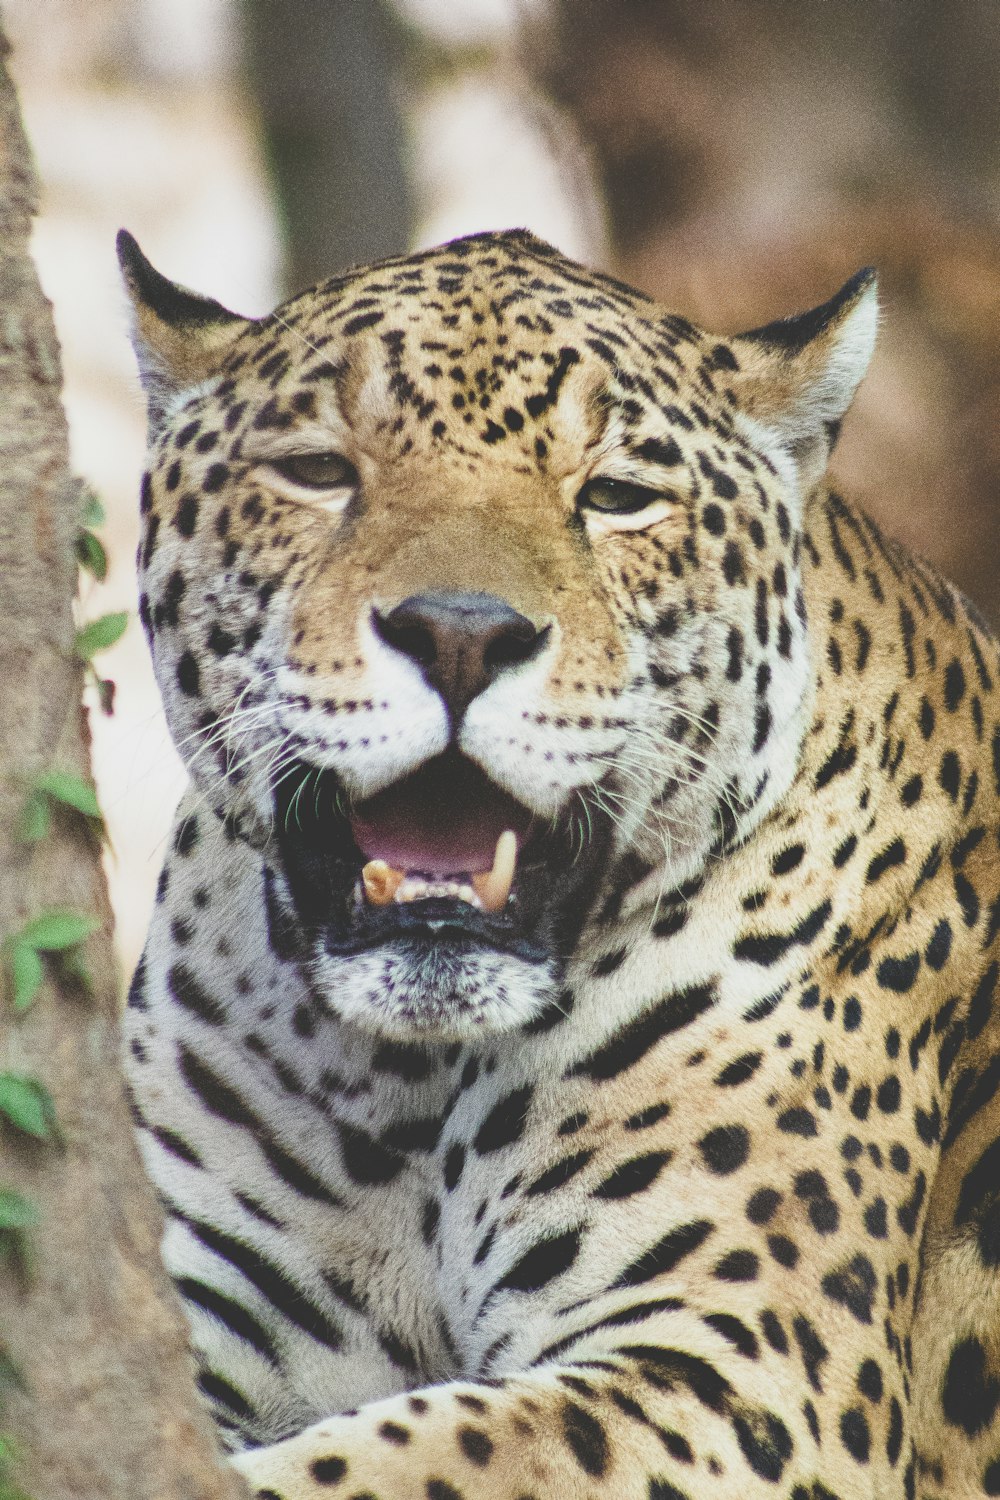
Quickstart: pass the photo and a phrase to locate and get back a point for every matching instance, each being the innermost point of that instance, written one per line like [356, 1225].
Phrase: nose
[461, 642]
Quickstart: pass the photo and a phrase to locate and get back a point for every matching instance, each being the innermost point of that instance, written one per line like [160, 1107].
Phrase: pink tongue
[443, 819]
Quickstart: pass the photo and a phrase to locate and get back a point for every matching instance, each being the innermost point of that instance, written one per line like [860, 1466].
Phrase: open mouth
[444, 832]
[442, 855]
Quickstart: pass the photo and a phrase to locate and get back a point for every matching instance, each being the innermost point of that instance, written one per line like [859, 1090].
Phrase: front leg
[634, 1419]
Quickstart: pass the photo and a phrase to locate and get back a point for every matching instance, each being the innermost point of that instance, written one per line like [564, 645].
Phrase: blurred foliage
[753, 157]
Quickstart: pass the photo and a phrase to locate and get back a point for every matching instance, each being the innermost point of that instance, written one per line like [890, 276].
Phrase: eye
[316, 471]
[616, 497]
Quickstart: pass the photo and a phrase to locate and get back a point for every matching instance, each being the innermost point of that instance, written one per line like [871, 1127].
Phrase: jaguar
[565, 1046]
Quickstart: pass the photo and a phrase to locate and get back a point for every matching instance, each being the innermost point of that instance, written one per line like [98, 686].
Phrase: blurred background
[736, 160]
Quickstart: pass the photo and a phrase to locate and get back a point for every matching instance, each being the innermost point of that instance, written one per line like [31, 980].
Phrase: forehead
[509, 291]
[470, 280]
[485, 335]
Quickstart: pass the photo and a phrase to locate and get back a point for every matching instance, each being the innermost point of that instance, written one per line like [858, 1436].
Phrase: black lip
[435, 920]
[322, 864]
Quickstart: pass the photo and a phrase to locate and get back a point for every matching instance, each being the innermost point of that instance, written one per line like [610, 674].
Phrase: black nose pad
[461, 642]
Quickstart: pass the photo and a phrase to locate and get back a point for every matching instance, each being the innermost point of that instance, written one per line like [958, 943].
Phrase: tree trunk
[323, 80]
[108, 1407]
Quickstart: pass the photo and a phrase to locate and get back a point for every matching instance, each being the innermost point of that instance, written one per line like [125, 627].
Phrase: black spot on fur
[765, 1442]
[852, 1285]
[667, 1253]
[505, 1122]
[329, 1470]
[970, 1394]
[630, 1044]
[366, 1161]
[855, 1433]
[725, 1149]
[586, 1439]
[633, 1176]
[546, 1260]
[188, 993]
[188, 675]
[768, 948]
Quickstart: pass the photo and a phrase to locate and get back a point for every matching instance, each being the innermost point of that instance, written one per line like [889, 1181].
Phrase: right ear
[178, 336]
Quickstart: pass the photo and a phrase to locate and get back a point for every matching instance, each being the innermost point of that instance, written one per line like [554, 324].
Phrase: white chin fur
[432, 994]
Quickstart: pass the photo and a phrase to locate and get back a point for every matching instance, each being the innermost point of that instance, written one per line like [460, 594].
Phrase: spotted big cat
[565, 1045]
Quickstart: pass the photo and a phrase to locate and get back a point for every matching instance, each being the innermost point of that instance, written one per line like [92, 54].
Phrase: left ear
[797, 377]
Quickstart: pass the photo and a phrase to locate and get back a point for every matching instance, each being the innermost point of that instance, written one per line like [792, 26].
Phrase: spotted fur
[692, 1190]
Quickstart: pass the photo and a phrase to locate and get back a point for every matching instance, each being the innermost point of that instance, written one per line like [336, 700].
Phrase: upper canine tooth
[380, 881]
[493, 887]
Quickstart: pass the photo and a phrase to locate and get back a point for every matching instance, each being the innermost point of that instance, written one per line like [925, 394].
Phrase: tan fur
[708, 1208]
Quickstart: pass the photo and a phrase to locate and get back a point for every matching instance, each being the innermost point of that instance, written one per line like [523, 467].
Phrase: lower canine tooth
[493, 888]
[380, 881]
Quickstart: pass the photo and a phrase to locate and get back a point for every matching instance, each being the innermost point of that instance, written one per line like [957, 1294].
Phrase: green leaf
[101, 633]
[90, 554]
[55, 930]
[35, 820]
[92, 513]
[63, 786]
[16, 1211]
[27, 973]
[27, 1104]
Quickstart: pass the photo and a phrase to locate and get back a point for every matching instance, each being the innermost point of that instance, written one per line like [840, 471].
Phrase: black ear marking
[172, 304]
[179, 337]
[798, 376]
[800, 329]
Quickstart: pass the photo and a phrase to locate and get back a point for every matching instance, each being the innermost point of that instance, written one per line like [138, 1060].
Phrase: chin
[440, 909]
[434, 990]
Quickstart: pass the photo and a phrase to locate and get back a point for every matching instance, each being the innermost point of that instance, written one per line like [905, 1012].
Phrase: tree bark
[109, 1407]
